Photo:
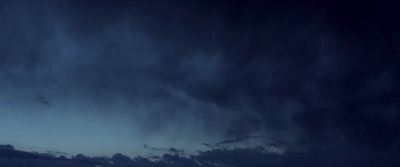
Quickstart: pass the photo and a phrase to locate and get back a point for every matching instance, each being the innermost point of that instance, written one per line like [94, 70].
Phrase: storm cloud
[289, 76]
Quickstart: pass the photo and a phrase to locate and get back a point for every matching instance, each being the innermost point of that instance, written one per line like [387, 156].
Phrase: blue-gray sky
[141, 77]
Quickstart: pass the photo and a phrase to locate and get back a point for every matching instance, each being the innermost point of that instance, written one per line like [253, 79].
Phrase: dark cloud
[335, 156]
[174, 150]
[171, 150]
[152, 148]
[302, 75]
[224, 143]
[42, 100]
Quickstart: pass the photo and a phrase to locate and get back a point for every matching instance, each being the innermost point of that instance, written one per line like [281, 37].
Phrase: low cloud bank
[257, 157]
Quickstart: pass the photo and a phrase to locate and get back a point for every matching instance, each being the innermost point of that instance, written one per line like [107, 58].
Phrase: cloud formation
[214, 158]
[302, 76]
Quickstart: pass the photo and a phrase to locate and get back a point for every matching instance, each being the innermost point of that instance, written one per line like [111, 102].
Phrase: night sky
[305, 82]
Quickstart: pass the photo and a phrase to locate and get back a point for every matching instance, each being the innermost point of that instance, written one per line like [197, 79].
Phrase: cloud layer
[213, 158]
[199, 75]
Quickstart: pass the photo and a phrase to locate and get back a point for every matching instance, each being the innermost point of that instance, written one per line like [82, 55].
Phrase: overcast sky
[141, 77]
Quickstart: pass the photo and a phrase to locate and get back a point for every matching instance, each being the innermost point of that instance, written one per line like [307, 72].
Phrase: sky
[192, 77]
